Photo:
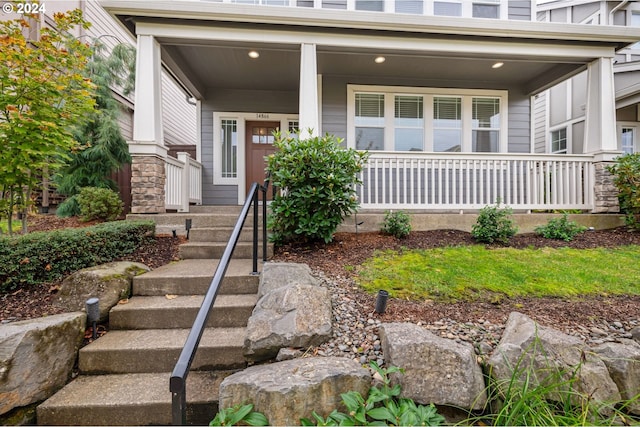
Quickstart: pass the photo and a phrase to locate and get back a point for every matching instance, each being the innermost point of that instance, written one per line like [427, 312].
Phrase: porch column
[147, 149]
[600, 138]
[308, 102]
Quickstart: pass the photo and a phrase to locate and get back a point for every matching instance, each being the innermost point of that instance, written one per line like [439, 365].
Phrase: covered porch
[314, 70]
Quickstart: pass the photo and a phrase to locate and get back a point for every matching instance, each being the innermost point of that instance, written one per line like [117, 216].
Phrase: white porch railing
[436, 181]
[183, 184]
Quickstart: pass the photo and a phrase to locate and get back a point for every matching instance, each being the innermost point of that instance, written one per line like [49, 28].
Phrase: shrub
[560, 228]
[626, 173]
[69, 207]
[239, 415]
[318, 179]
[47, 256]
[397, 224]
[99, 203]
[494, 225]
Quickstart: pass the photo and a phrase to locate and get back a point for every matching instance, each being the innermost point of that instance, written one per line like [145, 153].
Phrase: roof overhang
[540, 54]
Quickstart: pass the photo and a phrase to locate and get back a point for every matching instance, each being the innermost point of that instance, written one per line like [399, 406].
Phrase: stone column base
[147, 184]
[605, 193]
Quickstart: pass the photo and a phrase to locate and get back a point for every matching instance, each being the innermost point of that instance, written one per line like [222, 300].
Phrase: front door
[259, 144]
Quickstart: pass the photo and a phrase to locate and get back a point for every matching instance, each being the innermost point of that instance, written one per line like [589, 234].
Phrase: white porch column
[147, 149]
[600, 136]
[600, 124]
[308, 101]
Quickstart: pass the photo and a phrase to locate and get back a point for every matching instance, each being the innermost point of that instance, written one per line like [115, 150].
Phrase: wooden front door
[259, 144]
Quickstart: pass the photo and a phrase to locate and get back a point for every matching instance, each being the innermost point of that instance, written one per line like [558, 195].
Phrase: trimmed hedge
[47, 256]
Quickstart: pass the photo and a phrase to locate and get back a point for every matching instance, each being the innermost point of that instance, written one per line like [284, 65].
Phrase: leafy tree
[106, 150]
[44, 93]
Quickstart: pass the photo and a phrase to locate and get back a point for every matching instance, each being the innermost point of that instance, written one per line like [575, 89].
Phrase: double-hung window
[559, 141]
[384, 118]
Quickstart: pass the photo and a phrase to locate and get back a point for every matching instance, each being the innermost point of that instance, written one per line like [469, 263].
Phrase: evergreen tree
[106, 150]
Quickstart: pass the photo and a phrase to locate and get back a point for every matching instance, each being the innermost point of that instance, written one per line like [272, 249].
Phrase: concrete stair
[124, 375]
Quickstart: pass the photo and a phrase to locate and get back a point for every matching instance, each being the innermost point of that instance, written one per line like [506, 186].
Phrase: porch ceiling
[278, 67]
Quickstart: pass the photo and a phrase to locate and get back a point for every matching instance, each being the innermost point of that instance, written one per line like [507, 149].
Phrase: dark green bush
[69, 207]
[626, 172]
[560, 228]
[47, 256]
[397, 224]
[494, 224]
[99, 203]
[318, 178]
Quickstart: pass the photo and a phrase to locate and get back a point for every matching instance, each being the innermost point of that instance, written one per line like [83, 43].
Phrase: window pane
[447, 112]
[446, 8]
[375, 5]
[334, 4]
[486, 11]
[408, 140]
[486, 113]
[408, 107]
[369, 138]
[484, 141]
[276, 2]
[369, 105]
[409, 6]
[559, 141]
[447, 140]
[229, 139]
[304, 3]
[627, 140]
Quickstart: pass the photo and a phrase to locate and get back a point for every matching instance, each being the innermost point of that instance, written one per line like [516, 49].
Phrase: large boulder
[37, 357]
[277, 275]
[437, 370]
[108, 282]
[287, 391]
[292, 316]
[540, 353]
[623, 361]
[292, 311]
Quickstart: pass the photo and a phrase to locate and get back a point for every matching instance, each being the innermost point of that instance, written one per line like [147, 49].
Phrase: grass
[477, 273]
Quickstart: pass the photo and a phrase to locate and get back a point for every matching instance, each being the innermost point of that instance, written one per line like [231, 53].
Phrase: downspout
[615, 9]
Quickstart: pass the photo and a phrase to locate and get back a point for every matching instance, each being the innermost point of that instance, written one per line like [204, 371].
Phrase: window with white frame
[447, 123]
[229, 138]
[559, 141]
[627, 140]
[447, 8]
[486, 9]
[486, 125]
[426, 119]
[369, 121]
[415, 7]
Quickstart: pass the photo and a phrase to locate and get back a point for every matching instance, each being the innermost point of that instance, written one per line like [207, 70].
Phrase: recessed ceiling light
[253, 54]
[497, 65]
[379, 59]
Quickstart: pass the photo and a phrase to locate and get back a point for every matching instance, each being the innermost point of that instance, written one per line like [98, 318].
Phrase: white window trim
[636, 127]
[568, 138]
[241, 119]
[428, 93]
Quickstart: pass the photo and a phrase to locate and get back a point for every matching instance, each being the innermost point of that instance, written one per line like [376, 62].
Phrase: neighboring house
[560, 121]
[179, 118]
[439, 91]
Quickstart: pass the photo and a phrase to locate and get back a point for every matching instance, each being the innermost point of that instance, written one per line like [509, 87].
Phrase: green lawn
[477, 273]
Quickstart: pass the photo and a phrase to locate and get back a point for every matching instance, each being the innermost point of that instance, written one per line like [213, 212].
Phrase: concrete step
[222, 234]
[130, 399]
[157, 350]
[179, 311]
[207, 250]
[165, 223]
[193, 277]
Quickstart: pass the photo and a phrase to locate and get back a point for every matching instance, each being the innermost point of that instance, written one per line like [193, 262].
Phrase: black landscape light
[187, 226]
[381, 301]
[93, 313]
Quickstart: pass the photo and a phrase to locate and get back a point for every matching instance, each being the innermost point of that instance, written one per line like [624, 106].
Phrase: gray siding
[334, 106]
[579, 95]
[125, 121]
[520, 10]
[558, 104]
[234, 101]
[540, 122]
[519, 123]
[627, 114]
[577, 138]
[178, 116]
[559, 15]
[583, 11]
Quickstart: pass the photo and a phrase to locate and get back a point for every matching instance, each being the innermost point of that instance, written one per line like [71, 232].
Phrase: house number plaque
[262, 115]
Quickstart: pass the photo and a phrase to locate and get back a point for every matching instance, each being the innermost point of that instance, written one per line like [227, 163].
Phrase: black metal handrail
[178, 381]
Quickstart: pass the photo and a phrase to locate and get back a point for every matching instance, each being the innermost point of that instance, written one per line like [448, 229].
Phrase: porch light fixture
[253, 54]
[497, 65]
[379, 59]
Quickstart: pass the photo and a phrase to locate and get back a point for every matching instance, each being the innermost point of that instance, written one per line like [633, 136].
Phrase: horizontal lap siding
[520, 10]
[519, 123]
[540, 122]
[230, 100]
